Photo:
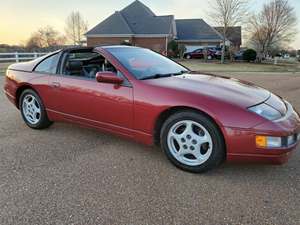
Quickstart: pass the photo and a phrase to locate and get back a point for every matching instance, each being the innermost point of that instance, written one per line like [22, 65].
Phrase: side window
[107, 66]
[48, 65]
[82, 63]
[86, 64]
[125, 82]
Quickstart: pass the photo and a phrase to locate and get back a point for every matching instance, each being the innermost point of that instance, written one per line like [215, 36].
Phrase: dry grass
[199, 65]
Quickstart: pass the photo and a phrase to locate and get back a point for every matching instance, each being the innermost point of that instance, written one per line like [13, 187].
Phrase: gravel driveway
[73, 175]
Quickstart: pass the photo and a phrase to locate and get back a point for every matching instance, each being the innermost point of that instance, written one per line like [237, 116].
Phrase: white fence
[20, 56]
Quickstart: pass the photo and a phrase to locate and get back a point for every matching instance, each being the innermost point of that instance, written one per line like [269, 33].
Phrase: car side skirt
[136, 135]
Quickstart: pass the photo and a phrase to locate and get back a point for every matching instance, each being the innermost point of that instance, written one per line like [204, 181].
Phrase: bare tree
[33, 42]
[75, 28]
[227, 13]
[273, 26]
[45, 37]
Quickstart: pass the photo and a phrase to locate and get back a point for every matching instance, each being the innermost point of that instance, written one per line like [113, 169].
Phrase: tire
[188, 57]
[182, 149]
[33, 111]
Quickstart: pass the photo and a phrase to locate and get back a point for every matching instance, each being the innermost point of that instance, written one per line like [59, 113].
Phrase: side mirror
[108, 77]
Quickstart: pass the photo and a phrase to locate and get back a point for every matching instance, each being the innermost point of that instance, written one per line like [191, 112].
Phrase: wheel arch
[175, 109]
[20, 90]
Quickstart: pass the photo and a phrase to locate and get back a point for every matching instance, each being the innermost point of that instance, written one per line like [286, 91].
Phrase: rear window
[48, 65]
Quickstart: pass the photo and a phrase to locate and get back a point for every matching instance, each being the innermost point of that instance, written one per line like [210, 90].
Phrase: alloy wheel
[189, 142]
[31, 109]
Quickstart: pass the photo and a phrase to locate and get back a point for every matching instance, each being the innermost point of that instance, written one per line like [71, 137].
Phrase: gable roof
[135, 19]
[137, 8]
[151, 25]
[233, 34]
[196, 30]
[114, 24]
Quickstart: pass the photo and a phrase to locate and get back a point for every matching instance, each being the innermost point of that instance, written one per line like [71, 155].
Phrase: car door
[198, 53]
[84, 100]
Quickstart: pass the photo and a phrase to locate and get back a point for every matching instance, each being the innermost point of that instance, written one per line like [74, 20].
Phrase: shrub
[249, 55]
[173, 50]
[125, 42]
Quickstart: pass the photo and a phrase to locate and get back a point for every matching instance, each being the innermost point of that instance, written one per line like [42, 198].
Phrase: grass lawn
[199, 65]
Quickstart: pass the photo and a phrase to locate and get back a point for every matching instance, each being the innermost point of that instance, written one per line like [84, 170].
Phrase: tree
[181, 50]
[75, 28]
[227, 13]
[173, 48]
[249, 55]
[44, 38]
[273, 26]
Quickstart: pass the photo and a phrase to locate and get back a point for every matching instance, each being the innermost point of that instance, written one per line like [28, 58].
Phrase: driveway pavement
[72, 175]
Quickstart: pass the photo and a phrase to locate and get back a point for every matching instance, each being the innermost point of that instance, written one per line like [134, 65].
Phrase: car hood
[226, 89]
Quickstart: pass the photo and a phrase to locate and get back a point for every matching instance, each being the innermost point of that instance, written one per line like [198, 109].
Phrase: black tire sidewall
[218, 152]
[44, 121]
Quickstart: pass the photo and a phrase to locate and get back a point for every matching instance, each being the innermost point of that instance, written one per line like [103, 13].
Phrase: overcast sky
[20, 18]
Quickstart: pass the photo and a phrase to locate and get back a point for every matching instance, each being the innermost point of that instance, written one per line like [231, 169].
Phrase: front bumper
[241, 144]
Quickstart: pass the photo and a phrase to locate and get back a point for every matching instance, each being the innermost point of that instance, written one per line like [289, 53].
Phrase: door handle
[55, 84]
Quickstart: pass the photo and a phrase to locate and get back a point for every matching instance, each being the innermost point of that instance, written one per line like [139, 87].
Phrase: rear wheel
[192, 142]
[33, 111]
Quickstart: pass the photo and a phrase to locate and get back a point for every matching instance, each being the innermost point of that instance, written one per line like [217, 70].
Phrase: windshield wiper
[181, 72]
[155, 76]
[160, 75]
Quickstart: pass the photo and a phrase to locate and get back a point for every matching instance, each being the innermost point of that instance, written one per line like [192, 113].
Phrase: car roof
[115, 46]
[84, 48]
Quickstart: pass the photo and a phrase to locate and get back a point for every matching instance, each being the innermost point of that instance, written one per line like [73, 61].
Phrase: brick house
[138, 25]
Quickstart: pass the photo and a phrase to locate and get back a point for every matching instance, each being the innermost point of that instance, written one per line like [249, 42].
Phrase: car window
[87, 64]
[82, 55]
[48, 65]
[125, 80]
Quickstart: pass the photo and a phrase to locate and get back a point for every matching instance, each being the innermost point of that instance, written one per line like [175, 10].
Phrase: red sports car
[198, 119]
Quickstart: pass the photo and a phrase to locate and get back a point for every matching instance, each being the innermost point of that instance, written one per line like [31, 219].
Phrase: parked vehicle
[239, 55]
[199, 120]
[217, 52]
[199, 54]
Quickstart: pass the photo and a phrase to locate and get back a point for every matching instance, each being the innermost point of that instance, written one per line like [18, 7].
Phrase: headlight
[266, 111]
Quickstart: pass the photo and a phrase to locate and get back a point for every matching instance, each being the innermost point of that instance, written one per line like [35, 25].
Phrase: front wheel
[33, 111]
[192, 142]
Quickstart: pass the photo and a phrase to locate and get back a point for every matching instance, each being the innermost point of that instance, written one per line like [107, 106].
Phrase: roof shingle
[233, 34]
[114, 24]
[196, 29]
[134, 19]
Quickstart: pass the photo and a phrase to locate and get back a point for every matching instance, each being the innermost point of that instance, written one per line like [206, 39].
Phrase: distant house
[135, 24]
[138, 25]
[196, 33]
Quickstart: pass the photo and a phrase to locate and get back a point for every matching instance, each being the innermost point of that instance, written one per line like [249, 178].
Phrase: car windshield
[146, 64]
